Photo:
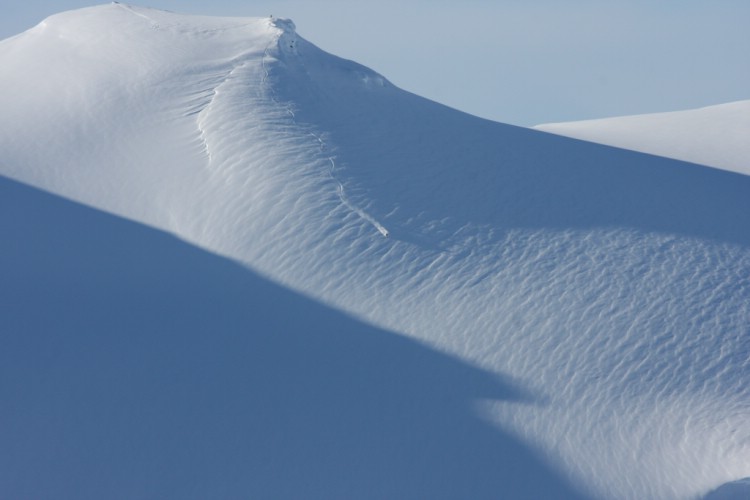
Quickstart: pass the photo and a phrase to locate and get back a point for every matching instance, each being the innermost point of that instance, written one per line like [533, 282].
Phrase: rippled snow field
[611, 286]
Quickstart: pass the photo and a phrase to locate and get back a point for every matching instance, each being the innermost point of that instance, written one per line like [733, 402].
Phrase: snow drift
[607, 288]
[137, 366]
[714, 135]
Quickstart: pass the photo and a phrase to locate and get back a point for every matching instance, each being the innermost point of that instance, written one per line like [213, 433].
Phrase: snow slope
[610, 286]
[138, 366]
[715, 135]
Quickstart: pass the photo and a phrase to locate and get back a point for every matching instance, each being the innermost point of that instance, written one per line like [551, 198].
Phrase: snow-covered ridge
[715, 135]
[610, 285]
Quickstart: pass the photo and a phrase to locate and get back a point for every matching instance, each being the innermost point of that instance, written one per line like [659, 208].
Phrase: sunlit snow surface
[714, 135]
[611, 286]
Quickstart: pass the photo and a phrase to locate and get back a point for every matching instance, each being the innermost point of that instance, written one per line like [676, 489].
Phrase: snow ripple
[625, 313]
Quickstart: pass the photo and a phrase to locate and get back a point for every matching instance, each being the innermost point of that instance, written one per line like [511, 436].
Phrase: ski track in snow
[331, 172]
[127, 8]
[342, 195]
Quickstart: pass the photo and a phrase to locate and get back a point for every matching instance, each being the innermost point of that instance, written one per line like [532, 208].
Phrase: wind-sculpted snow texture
[610, 286]
[138, 366]
[715, 135]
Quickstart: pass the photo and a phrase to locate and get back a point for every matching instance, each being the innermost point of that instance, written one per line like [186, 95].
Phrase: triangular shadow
[135, 365]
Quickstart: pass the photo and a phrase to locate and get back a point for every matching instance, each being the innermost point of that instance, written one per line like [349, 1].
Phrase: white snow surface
[715, 135]
[610, 287]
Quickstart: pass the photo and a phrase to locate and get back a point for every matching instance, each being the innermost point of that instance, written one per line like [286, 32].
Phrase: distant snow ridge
[714, 135]
[612, 286]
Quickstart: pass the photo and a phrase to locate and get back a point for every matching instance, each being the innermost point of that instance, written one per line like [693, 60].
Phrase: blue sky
[512, 61]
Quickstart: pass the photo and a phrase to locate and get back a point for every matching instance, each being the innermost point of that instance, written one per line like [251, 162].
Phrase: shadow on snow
[408, 159]
[137, 366]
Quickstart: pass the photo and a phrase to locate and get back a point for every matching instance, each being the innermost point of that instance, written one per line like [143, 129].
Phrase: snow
[736, 490]
[714, 135]
[544, 315]
[138, 366]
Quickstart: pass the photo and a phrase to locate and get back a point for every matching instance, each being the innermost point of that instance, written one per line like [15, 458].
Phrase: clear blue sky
[521, 62]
